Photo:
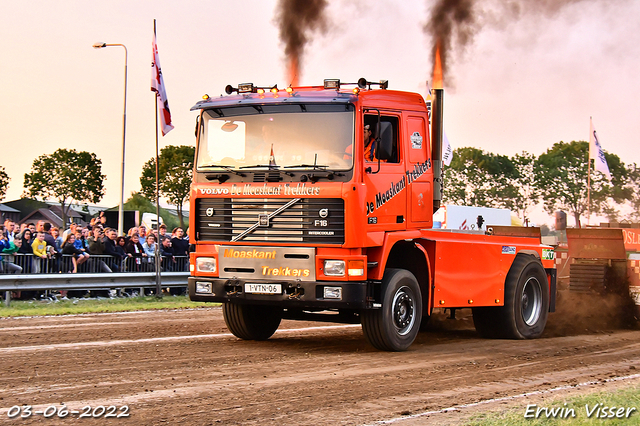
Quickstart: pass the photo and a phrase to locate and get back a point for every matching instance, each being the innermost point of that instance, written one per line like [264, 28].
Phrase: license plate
[263, 288]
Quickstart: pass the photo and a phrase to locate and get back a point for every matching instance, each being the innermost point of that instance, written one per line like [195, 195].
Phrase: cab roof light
[289, 90]
[250, 88]
[332, 83]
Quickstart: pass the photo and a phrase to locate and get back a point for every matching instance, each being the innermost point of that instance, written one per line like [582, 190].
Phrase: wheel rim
[531, 301]
[403, 310]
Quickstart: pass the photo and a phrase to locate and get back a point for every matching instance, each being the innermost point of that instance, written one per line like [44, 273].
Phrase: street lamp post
[124, 132]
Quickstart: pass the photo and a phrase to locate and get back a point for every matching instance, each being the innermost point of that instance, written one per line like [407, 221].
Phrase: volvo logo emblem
[210, 211]
[323, 213]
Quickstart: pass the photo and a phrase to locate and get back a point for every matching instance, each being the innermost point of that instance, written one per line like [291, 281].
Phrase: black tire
[526, 303]
[251, 322]
[395, 326]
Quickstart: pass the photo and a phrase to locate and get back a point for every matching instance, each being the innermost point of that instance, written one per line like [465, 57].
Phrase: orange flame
[293, 71]
[437, 69]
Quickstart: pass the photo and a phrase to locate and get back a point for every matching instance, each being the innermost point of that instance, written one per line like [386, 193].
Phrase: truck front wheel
[526, 303]
[395, 326]
[251, 322]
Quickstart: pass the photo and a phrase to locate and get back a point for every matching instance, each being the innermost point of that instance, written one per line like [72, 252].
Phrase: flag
[447, 152]
[596, 152]
[157, 85]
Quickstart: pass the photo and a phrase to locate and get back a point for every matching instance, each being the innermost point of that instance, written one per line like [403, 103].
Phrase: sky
[521, 84]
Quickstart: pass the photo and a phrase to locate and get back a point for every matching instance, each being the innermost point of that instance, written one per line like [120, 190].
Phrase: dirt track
[183, 366]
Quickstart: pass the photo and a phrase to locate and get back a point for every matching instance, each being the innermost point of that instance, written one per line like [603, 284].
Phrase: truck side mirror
[385, 146]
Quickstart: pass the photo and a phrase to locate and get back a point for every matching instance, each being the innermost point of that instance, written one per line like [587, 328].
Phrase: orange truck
[316, 203]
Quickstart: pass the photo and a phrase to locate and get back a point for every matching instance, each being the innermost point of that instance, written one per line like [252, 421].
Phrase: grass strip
[619, 407]
[94, 305]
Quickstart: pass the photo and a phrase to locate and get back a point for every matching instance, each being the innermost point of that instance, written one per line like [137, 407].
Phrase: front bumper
[355, 295]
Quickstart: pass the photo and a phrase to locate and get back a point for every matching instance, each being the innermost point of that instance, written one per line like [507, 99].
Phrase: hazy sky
[521, 85]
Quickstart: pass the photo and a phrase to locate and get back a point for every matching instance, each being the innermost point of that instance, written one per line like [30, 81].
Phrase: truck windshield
[277, 136]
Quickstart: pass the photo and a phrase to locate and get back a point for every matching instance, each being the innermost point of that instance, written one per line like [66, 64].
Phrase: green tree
[561, 178]
[66, 176]
[522, 186]
[632, 189]
[478, 178]
[4, 183]
[174, 176]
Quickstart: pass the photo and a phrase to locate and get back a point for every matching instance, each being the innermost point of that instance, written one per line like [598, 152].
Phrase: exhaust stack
[436, 130]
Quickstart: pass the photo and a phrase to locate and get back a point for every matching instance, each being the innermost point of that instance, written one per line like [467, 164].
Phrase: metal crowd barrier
[20, 263]
[25, 272]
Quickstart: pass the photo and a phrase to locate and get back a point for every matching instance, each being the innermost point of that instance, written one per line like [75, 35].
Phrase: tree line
[75, 177]
[557, 178]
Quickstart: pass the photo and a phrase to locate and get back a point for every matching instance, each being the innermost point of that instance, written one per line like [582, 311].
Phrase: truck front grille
[309, 220]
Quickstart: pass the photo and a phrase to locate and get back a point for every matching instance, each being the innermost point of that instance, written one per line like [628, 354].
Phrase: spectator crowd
[43, 248]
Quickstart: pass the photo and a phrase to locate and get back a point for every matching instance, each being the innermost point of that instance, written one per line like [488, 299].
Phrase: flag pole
[589, 174]
[157, 251]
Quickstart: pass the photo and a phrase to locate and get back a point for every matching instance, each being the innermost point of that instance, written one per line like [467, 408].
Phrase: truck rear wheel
[251, 322]
[526, 303]
[395, 326]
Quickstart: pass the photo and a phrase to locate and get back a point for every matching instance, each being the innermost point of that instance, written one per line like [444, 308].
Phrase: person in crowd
[138, 259]
[55, 232]
[32, 228]
[9, 230]
[81, 242]
[180, 247]
[27, 240]
[142, 231]
[162, 231]
[39, 247]
[96, 247]
[23, 226]
[8, 260]
[109, 241]
[71, 230]
[53, 250]
[40, 226]
[166, 251]
[149, 245]
[102, 220]
[78, 257]
[4, 241]
[120, 243]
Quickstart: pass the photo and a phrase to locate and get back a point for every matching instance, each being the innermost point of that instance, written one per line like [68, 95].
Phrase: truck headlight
[334, 268]
[206, 264]
[202, 287]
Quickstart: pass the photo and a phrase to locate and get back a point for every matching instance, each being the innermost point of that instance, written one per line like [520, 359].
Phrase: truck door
[385, 181]
[419, 172]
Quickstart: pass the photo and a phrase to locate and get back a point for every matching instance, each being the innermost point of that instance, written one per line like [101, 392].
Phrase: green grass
[82, 306]
[628, 398]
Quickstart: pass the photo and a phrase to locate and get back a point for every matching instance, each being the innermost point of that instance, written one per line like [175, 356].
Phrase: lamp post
[124, 132]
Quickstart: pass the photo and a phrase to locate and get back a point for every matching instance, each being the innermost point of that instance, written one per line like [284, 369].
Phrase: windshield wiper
[223, 167]
[270, 166]
[313, 166]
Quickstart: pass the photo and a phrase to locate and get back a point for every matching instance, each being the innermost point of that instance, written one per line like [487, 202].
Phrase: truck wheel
[395, 326]
[526, 303]
[251, 322]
